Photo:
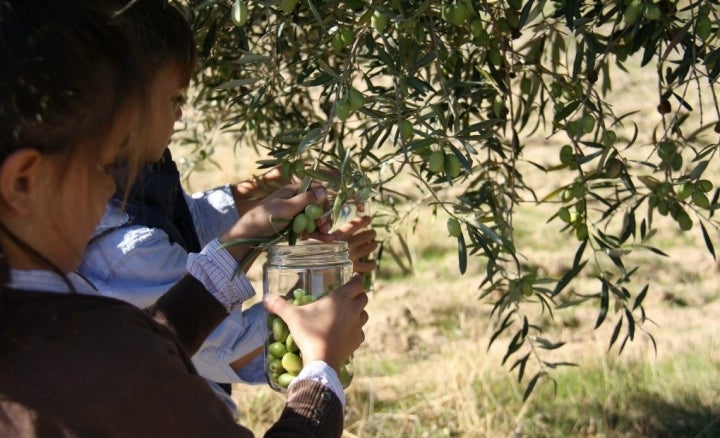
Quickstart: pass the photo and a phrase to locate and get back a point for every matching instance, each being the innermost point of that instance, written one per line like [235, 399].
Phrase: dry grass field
[425, 369]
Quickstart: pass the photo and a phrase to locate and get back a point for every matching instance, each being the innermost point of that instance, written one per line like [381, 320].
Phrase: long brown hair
[65, 78]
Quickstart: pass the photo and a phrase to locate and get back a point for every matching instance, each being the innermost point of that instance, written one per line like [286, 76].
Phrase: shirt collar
[46, 281]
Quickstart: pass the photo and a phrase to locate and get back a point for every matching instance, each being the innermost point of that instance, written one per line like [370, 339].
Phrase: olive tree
[447, 93]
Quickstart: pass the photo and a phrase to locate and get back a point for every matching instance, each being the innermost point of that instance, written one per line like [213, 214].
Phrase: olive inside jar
[301, 274]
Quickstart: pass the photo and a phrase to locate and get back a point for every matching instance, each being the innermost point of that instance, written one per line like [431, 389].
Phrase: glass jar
[301, 274]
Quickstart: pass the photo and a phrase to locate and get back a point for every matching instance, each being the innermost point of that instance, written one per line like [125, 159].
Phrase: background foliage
[447, 94]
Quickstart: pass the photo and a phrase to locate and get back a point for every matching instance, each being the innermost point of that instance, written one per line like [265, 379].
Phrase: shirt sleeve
[321, 372]
[134, 263]
[213, 212]
[218, 271]
[237, 336]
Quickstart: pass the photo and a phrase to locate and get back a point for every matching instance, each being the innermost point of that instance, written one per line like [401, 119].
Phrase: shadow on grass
[654, 417]
[644, 415]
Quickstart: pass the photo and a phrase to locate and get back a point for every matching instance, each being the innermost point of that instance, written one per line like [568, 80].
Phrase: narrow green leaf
[532, 384]
[568, 276]
[252, 58]
[548, 345]
[521, 363]
[505, 324]
[310, 138]
[708, 241]
[641, 296]
[631, 324]
[515, 344]
[604, 303]
[615, 333]
[237, 83]
[462, 254]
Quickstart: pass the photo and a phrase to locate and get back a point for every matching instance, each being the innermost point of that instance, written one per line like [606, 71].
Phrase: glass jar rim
[308, 252]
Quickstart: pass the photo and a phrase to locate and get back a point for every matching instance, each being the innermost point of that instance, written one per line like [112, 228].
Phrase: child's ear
[19, 176]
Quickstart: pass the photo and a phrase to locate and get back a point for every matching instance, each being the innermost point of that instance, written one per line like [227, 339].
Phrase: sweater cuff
[321, 372]
[218, 271]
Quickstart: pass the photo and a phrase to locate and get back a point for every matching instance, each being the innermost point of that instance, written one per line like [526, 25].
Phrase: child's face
[75, 194]
[166, 100]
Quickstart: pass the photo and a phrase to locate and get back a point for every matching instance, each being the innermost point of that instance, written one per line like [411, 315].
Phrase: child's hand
[361, 243]
[274, 214]
[329, 329]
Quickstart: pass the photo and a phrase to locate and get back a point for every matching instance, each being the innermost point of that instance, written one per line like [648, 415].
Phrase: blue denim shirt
[138, 264]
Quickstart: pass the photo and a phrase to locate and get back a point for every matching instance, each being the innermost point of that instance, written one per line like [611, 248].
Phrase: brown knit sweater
[91, 366]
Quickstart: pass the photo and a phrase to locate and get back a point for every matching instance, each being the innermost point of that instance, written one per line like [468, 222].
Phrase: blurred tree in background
[447, 94]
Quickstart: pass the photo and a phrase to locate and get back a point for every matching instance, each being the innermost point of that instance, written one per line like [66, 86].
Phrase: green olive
[652, 12]
[453, 166]
[609, 138]
[477, 27]
[280, 330]
[566, 154]
[494, 55]
[581, 232]
[677, 161]
[299, 168]
[526, 285]
[588, 123]
[313, 211]
[277, 349]
[632, 12]
[458, 14]
[453, 227]
[290, 344]
[292, 362]
[285, 379]
[347, 36]
[666, 149]
[525, 85]
[614, 168]
[300, 223]
[700, 199]
[379, 21]
[685, 191]
[239, 13]
[703, 27]
[684, 221]
[436, 161]
[311, 226]
[705, 185]
[355, 99]
[287, 5]
[564, 214]
[337, 43]
[275, 366]
[499, 107]
[515, 4]
[342, 110]
[406, 129]
[299, 293]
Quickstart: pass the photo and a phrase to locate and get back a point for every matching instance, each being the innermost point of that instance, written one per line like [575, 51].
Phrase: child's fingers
[276, 304]
[297, 203]
[364, 267]
[346, 231]
[353, 289]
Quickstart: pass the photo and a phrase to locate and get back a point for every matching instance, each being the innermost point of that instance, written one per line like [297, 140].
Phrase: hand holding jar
[315, 313]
